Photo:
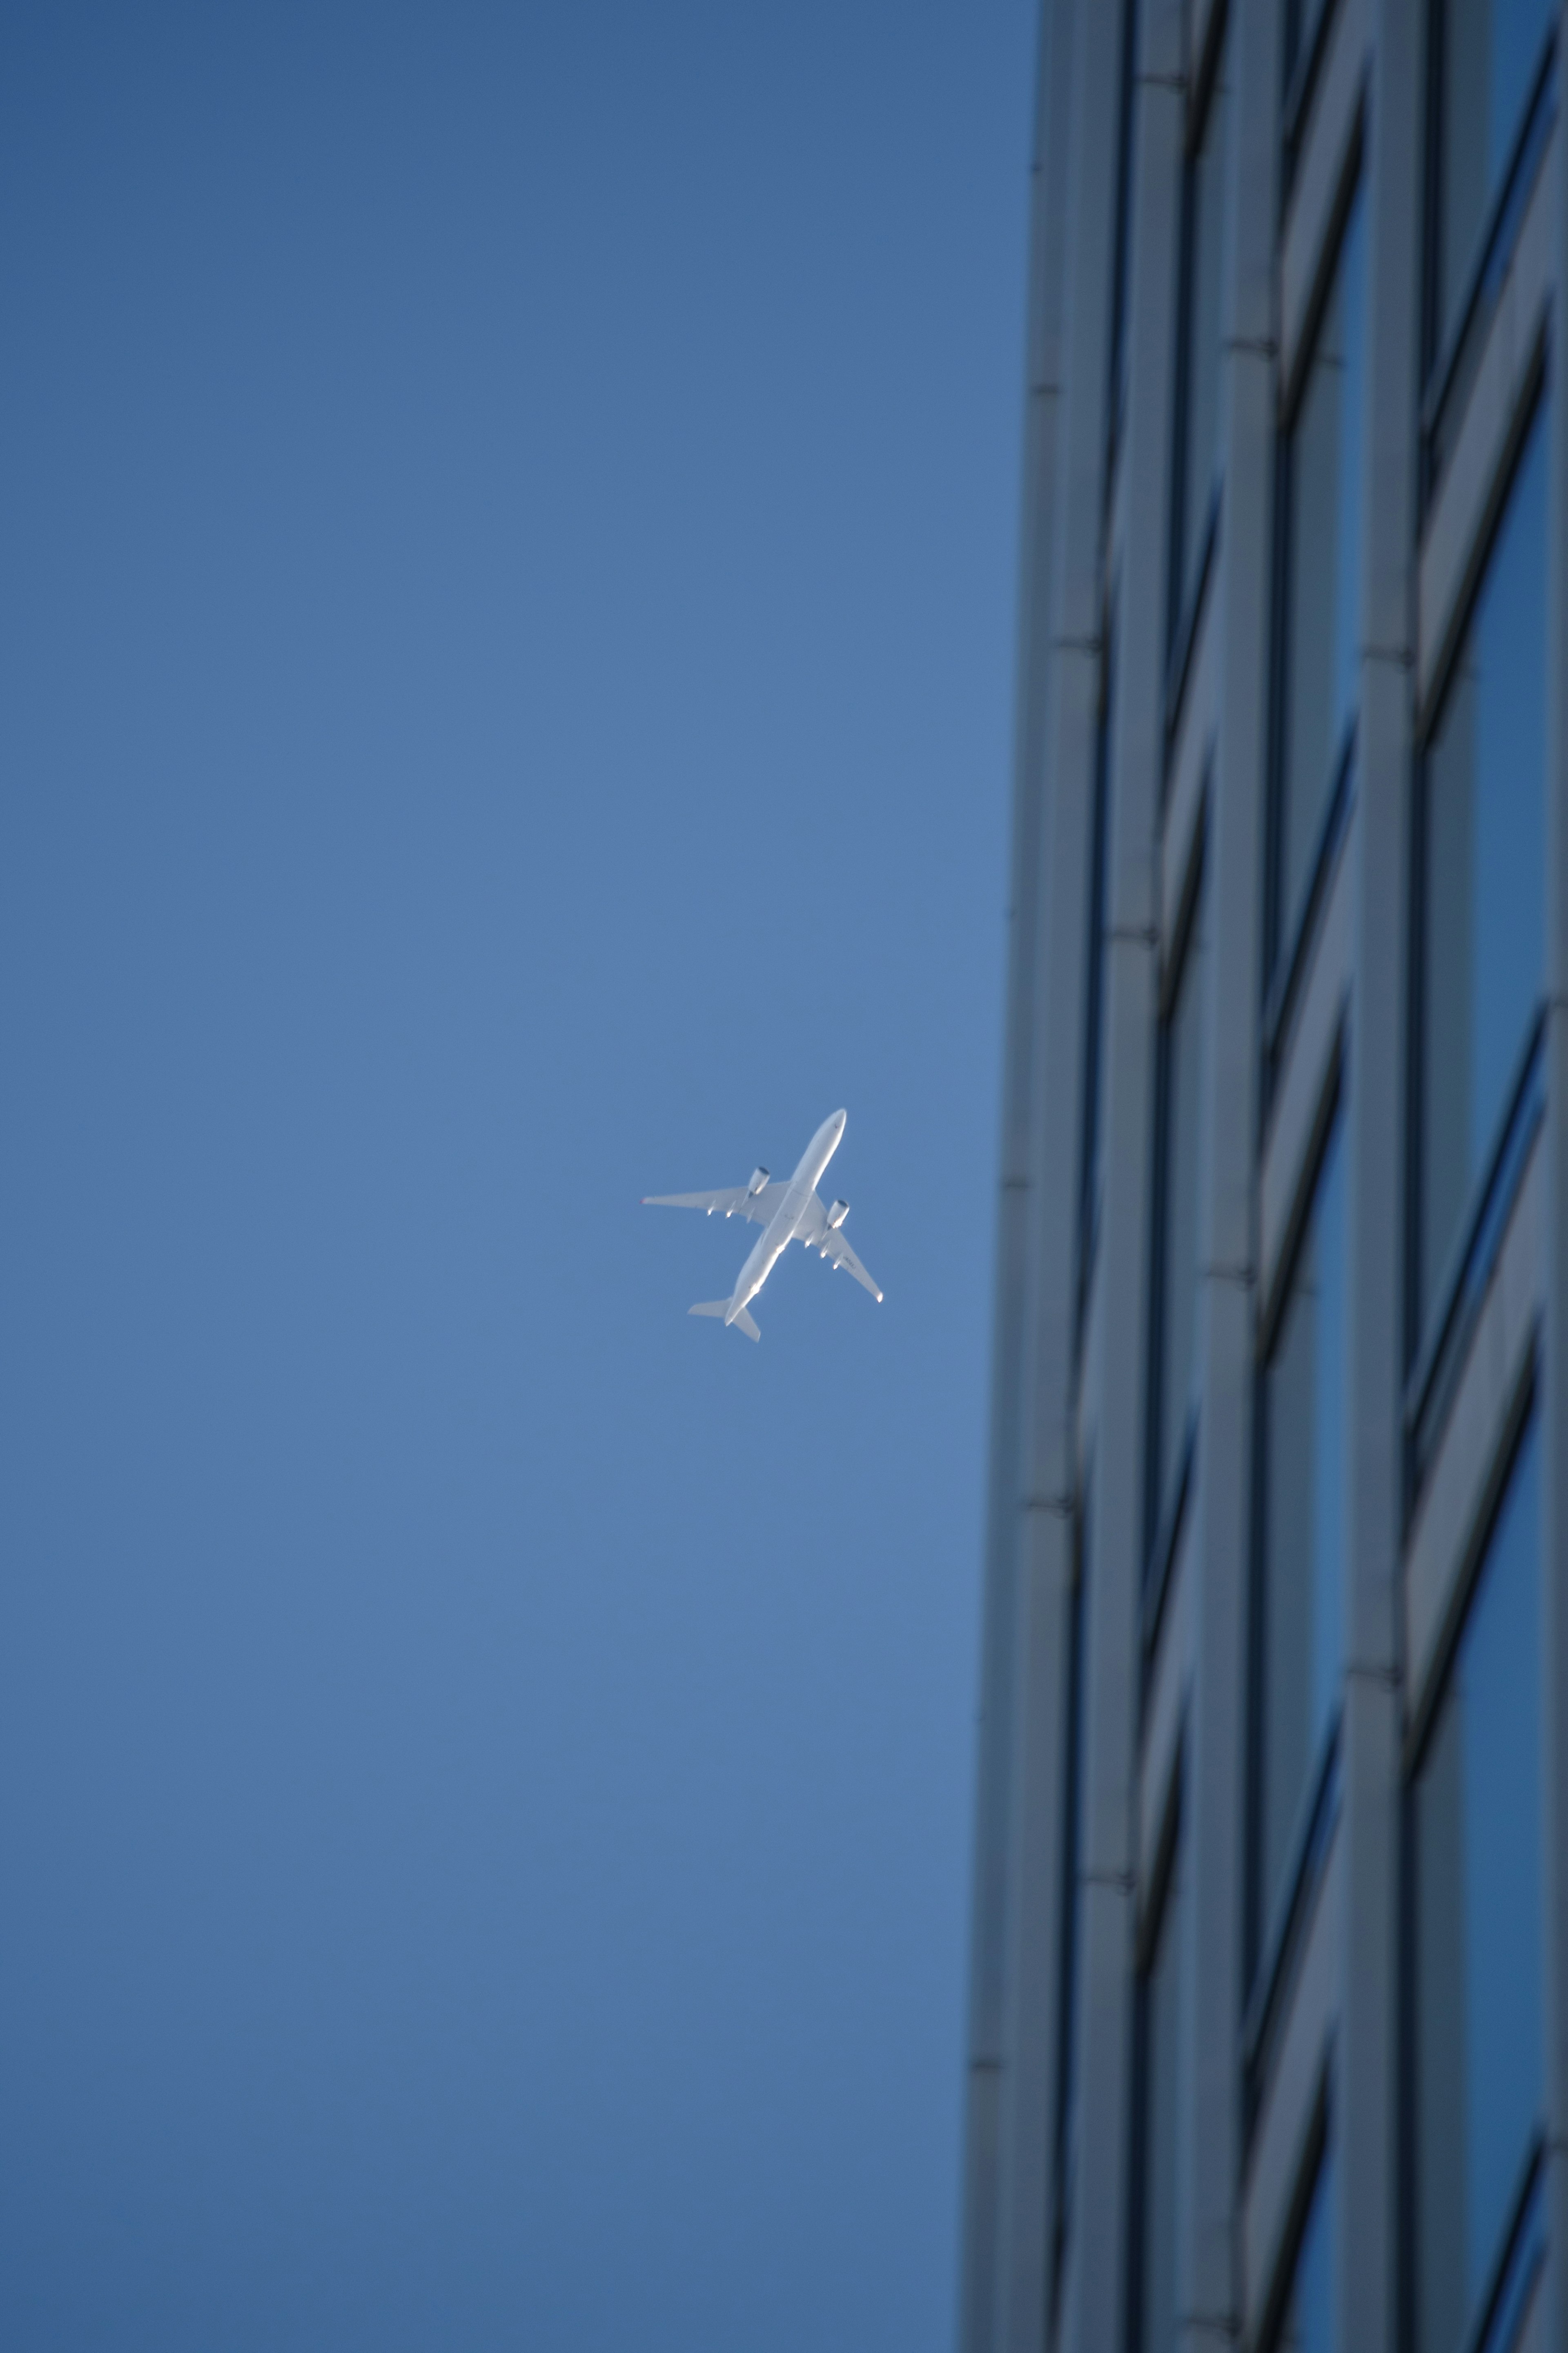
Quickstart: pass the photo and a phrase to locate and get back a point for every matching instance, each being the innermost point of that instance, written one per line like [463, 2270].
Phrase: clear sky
[508, 525]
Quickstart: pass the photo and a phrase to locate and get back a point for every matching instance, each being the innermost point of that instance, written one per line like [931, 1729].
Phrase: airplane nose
[841, 1120]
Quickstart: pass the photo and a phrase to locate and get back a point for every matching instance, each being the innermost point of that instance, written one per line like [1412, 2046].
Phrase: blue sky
[509, 523]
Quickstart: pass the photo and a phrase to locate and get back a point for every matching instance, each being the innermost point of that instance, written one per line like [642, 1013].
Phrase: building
[1270, 2021]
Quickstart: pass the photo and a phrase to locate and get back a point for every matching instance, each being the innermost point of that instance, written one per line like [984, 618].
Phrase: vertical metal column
[1048, 1466]
[1366, 2074]
[1208, 2282]
[1553, 1344]
[986, 2057]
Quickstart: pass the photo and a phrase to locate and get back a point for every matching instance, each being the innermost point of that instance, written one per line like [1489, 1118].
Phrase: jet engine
[836, 1214]
[759, 1178]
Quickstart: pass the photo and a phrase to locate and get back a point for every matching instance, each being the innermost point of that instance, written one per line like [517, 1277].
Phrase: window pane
[1490, 51]
[1200, 455]
[1183, 1082]
[1072, 1851]
[1479, 1926]
[1095, 1027]
[1485, 774]
[1323, 590]
[1304, 1524]
[1308, 2325]
[1163, 1999]
[1123, 211]
[1300, 26]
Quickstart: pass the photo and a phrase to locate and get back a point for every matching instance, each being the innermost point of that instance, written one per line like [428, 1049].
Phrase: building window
[1480, 850]
[1303, 19]
[1196, 472]
[1489, 57]
[1155, 2317]
[1174, 1355]
[1302, 1586]
[1478, 1935]
[1123, 230]
[1306, 2322]
[1321, 542]
[1095, 1030]
[1066, 1949]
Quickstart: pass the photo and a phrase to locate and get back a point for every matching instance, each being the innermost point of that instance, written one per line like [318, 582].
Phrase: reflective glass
[1183, 1097]
[1300, 28]
[1095, 1025]
[1478, 1927]
[1072, 1848]
[1490, 50]
[1308, 2325]
[1323, 589]
[1482, 903]
[1200, 451]
[1304, 1474]
[1125, 152]
[1161, 2045]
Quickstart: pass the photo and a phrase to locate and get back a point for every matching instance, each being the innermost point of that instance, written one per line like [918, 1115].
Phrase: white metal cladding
[1164, 1708]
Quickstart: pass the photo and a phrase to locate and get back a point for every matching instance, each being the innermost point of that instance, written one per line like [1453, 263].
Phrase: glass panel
[1098, 924]
[1304, 1524]
[1308, 2325]
[1479, 1926]
[1072, 1848]
[1482, 918]
[1323, 590]
[1183, 1084]
[1301, 30]
[1200, 454]
[1123, 213]
[1162, 2007]
[1490, 50]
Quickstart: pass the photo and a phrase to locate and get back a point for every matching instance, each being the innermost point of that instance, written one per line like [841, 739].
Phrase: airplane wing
[834, 1246]
[816, 1232]
[736, 1202]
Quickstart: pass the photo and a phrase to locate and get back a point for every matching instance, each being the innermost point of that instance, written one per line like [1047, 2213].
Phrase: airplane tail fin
[721, 1307]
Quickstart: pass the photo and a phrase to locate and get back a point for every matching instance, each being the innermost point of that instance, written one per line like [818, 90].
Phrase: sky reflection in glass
[1323, 630]
[1490, 53]
[1483, 900]
[1478, 1926]
[1304, 1522]
[1200, 452]
[1163, 2014]
[1308, 2325]
[1183, 1104]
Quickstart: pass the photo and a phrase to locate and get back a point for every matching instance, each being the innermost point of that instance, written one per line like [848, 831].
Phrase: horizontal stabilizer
[721, 1307]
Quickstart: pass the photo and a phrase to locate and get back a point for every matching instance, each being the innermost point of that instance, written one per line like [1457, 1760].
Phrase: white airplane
[788, 1213]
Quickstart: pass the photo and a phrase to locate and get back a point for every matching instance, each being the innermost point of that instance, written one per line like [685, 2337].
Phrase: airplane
[788, 1213]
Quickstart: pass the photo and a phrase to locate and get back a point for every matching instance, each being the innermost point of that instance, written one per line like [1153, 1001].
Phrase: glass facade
[1322, 574]
[1307, 2325]
[1095, 978]
[1199, 442]
[1183, 1112]
[1313, 1290]
[1303, 1529]
[1481, 895]
[1072, 1851]
[1118, 399]
[1478, 1928]
[1303, 18]
[1489, 53]
[1157, 2315]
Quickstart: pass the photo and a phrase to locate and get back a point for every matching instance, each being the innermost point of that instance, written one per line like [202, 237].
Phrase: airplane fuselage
[780, 1230]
